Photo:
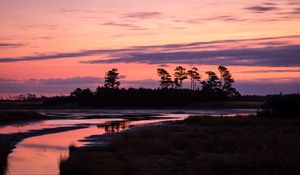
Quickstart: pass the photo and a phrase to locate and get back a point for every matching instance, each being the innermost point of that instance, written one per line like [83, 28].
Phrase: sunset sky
[52, 47]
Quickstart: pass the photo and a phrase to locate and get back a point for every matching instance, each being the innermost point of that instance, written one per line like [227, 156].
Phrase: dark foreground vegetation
[5, 148]
[282, 106]
[13, 117]
[197, 145]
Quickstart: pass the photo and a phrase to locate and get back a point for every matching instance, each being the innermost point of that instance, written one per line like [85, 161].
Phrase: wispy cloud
[276, 51]
[63, 85]
[126, 25]
[45, 86]
[10, 45]
[213, 18]
[268, 56]
[143, 15]
[268, 86]
[281, 11]
[271, 71]
[262, 8]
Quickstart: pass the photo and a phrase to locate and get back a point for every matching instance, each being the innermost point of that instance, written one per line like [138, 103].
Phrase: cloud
[81, 53]
[10, 45]
[143, 15]
[213, 18]
[46, 86]
[126, 25]
[265, 7]
[163, 65]
[296, 11]
[63, 85]
[267, 56]
[58, 86]
[270, 71]
[269, 51]
[147, 83]
[293, 13]
[281, 11]
[268, 86]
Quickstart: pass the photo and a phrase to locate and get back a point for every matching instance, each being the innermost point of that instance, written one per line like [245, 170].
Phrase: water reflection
[112, 127]
[47, 124]
[40, 154]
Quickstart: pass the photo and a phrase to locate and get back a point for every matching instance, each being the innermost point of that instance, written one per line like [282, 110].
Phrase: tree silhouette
[213, 83]
[194, 77]
[180, 75]
[165, 78]
[76, 93]
[227, 82]
[111, 79]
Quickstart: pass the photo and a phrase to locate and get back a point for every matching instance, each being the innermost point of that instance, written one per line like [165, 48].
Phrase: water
[41, 154]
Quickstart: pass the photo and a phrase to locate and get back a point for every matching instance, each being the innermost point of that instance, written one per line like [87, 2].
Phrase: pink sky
[59, 40]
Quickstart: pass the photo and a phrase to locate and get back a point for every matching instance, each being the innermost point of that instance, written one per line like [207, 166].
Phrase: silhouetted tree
[194, 77]
[87, 93]
[180, 75]
[82, 94]
[227, 83]
[212, 84]
[111, 79]
[76, 93]
[165, 78]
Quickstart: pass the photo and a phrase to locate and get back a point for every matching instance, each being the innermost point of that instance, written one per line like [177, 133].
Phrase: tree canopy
[111, 79]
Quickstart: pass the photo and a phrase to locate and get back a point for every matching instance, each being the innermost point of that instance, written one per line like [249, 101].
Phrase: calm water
[41, 154]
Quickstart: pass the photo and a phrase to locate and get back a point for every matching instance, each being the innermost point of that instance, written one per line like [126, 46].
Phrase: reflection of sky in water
[47, 124]
[110, 116]
[112, 112]
[41, 154]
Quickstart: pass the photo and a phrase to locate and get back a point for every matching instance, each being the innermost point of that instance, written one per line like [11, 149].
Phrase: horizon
[53, 47]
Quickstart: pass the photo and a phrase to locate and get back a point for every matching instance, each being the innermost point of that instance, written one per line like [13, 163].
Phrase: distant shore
[206, 105]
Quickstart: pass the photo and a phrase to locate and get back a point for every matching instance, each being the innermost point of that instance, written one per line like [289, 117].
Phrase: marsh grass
[7, 117]
[5, 149]
[197, 145]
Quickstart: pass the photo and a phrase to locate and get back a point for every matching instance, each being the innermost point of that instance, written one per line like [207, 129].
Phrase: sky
[53, 47]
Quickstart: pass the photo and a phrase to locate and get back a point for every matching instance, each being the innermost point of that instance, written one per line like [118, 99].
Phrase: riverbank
[197, 145]
[14, 117]
[9, 141]
[203, 105]
[5, 149]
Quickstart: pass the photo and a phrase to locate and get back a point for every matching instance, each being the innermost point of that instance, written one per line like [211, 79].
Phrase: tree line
[170, 92]
[221, 85]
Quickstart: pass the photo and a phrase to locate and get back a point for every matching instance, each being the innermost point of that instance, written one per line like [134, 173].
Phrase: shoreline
[207, 105]
[11, 140]
[218, 145]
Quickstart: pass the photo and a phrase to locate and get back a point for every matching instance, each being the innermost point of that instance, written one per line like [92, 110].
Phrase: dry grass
[197, 145]
[7, 117]
[5, 149]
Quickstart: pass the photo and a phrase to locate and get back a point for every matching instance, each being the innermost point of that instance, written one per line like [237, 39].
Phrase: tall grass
[198, 145]
[15, 116]
[4, 151]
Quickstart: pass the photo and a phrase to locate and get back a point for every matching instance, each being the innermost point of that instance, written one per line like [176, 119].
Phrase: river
[41, 154]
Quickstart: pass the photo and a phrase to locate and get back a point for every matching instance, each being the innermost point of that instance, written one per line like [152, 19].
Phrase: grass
[5, 148]
[12, 117]
[197, 145]
[8, 117]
